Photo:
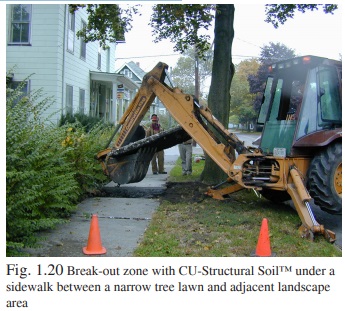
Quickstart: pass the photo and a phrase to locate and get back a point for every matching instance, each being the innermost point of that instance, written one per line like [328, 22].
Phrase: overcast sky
[313, 33]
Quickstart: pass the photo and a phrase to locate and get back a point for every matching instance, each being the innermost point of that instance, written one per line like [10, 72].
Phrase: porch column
[114, 103]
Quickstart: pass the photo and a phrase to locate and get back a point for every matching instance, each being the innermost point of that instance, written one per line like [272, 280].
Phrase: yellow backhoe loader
[299, 156]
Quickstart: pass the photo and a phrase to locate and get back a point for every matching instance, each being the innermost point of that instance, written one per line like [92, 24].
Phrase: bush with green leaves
[81, 149]
[48, 168]
[88, 122]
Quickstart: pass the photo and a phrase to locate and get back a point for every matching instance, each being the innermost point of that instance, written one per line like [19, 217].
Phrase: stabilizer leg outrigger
[219, 194]
[301, 198]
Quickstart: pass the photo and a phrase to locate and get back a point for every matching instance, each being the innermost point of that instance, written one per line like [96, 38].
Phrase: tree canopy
[278, 14]
[183, 74]
[106, 22]
[241, 99]
[183, 24]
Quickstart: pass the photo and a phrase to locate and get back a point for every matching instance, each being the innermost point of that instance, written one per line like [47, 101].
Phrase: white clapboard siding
[48, 63]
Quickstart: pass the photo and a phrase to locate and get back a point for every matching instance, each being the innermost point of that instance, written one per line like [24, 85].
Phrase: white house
[133, 71]
[42, 45]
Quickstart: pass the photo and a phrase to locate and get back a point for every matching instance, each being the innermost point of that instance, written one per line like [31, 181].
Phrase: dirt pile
[187, 192]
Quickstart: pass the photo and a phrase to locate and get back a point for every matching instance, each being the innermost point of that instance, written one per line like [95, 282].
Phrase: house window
[99, 62]
[81, 101]
[128, 73]
[83, 43]
[20, 24]
[70, 32]
[69, 99]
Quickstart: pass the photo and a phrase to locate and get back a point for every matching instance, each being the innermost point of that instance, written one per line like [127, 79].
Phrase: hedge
[49, 168]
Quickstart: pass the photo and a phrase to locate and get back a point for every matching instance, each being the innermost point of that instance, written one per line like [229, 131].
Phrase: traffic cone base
[94, 243]
[100, 251]
[263, 248]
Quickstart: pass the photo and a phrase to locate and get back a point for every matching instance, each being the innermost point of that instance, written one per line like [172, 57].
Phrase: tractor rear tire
[325, 179]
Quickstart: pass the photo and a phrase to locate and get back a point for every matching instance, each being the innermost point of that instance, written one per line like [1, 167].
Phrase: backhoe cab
[302, 117]
[300, 151]
[299, 156]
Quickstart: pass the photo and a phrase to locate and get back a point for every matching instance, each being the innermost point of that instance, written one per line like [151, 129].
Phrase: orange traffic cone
[94, 244]
[263, 248]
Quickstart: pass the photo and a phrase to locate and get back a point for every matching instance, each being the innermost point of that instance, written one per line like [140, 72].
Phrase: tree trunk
[222, 73]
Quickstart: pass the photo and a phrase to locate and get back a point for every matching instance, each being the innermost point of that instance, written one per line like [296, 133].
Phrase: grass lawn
[198, 226]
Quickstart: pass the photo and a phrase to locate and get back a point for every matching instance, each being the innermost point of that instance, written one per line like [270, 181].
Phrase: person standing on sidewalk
[186, 149]
[155, 128]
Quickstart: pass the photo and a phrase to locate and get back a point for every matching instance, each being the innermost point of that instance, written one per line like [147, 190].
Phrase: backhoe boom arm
[200, 124]
[128, 162]
[196, 120]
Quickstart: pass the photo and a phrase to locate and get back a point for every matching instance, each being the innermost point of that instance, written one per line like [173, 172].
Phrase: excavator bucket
[130, 168]
[130, 163]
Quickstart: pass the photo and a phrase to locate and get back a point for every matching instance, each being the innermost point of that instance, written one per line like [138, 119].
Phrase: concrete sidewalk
[122, 220]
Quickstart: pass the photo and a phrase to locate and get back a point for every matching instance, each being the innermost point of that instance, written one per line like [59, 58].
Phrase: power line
[244, 56]
[148, 56]
[248, 42]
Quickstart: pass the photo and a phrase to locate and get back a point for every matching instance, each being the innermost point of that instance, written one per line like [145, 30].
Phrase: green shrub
[40, 183]
[48, 168]
[81, 150]
[85, 121]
